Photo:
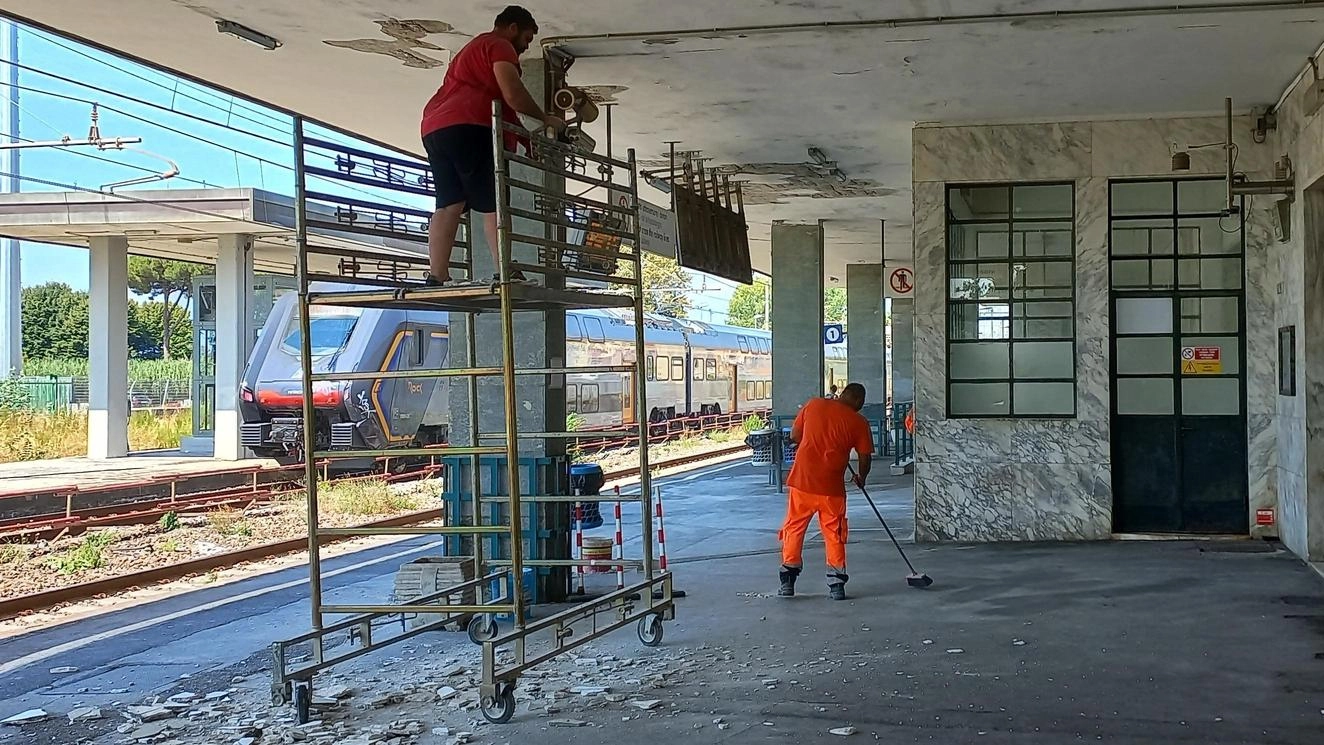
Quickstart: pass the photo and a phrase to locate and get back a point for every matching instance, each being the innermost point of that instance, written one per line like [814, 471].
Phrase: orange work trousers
[800, 509]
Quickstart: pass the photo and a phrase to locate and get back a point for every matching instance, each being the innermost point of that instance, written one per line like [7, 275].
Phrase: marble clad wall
[1298, 458]
[1028, 479]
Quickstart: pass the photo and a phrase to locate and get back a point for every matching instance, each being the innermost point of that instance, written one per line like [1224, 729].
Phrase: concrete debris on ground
[842, 731]
[84, 714]
[31, 716]
[63, 670]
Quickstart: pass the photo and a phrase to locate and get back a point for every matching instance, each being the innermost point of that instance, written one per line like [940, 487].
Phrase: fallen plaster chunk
[31, 716]
[842, 731]
[63, 670]
[568, 723]
[84, 714]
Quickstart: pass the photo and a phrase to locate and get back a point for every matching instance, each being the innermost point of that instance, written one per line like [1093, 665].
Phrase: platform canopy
[184, 224]
[753, 84]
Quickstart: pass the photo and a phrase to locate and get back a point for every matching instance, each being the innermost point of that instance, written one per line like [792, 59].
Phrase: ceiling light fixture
[247, 34]
[1237, 184]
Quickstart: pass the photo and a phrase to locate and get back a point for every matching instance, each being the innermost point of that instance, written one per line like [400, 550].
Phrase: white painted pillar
[234, 282]
[108, 348]
[11, 319]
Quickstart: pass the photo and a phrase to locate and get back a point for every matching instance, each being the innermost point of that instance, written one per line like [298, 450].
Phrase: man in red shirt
[825, 431]
[457, 131]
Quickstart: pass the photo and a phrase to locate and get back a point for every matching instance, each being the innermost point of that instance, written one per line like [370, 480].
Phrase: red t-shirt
[470, 86]
[829, 431]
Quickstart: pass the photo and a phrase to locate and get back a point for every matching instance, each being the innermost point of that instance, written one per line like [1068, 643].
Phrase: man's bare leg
[490, 227]
[442, 228]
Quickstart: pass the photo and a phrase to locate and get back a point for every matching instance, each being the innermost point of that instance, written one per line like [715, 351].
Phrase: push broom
[914, 579]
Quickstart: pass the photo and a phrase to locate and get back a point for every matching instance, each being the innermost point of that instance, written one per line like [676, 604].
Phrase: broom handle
[884, 522]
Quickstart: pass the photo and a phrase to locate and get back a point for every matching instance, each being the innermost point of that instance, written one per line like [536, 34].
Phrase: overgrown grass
[168, 522]
[12, 553]
[168, 546]
[26, 435]
[140, 371]
[229, 521]
[89, 554]
[363, 496]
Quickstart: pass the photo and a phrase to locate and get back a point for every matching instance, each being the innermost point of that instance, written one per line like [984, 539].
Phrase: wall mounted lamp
[1282, 184]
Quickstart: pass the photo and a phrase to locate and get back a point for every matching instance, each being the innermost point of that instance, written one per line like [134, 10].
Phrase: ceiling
[755, 98]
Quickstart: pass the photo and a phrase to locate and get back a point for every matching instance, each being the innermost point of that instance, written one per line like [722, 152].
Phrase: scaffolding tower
[602, 268]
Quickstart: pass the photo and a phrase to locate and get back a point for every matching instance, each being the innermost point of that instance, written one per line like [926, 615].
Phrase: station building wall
[1028, 478]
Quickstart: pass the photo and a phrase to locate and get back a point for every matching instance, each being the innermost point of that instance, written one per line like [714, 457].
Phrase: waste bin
[761, 441]
[788, 447]
[586, 479]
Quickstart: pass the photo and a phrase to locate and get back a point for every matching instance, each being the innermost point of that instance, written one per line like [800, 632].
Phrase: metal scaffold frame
[596, 264]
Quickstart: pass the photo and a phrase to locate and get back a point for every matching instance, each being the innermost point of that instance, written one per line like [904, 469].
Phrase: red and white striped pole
[620, 549]
[579, 546]
[661, 529]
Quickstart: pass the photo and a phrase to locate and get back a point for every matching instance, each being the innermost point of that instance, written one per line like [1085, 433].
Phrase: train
[691, 369]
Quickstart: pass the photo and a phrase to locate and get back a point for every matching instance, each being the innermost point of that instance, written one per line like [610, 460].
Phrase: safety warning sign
[1202, 360]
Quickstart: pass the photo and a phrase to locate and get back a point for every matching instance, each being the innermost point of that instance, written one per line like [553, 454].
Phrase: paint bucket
[598, 549]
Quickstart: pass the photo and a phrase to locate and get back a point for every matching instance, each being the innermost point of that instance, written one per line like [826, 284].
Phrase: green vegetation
[168, 522]
[140, 371]
[89, 554]
[12, 553]
[168, 546]
[229, 521]
[749, 305]
[753, 422]
[363, 496]
[27, 435]
[55, 327]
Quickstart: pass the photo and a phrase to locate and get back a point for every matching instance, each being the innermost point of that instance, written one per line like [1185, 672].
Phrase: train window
[711, 369]
[588, 398]
[677, 368]
[663, 368]
[698, 369]
[744, 344]
[762, 389]
[572, 398]
[573, 329]
[419, 347]
[610, 402]
[649, 365]
[593, 329]
[329, 333]
[751, 391]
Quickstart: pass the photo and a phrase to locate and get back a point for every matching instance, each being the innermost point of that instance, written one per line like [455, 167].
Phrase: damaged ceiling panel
[848, 78]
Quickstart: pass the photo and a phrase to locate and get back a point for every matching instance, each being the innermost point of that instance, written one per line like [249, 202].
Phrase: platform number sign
[834, 333]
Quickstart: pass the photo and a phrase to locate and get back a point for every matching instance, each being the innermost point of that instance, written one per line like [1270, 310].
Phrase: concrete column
[797, 316]
[108, 348]
[234, 282]
[903, 350]
[866, 351]
[11, 318]
[11, 288]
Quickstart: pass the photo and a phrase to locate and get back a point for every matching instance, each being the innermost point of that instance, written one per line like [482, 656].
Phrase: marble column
[797, 316]
[108, 348]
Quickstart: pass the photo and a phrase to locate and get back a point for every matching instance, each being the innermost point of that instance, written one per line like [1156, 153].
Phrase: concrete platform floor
[1126, 642]
[1132, 643]
[41, 476]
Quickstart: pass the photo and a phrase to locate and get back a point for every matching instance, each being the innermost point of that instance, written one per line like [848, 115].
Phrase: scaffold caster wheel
[650, 630]
[500, 709]
[303, 702]
[482, 629]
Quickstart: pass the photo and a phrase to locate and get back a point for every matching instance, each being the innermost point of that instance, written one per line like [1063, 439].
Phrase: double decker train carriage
[691, 369]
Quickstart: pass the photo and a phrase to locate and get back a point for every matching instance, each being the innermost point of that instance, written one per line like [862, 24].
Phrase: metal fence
[59, 394]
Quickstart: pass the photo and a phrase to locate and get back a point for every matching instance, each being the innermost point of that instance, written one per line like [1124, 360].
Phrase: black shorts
[462, 167]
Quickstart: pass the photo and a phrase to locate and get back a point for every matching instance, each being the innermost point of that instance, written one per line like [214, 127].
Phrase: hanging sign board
[657, 229]
[1202, 360]
[834, 333]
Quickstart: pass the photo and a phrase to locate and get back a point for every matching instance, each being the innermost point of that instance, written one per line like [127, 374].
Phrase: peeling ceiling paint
[755, 100]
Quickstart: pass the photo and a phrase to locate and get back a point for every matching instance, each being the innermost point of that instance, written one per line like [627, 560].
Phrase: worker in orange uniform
[825, 431]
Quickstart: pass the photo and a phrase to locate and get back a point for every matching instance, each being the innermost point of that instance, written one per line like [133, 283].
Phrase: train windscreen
[329, 331]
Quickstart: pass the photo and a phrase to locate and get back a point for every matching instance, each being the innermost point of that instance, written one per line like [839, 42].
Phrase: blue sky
[215, 140]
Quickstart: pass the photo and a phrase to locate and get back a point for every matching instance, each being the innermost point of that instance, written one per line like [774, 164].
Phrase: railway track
[10, 607]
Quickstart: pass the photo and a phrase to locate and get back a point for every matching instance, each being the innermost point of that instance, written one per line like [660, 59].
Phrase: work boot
[837, 585]
[788, 575]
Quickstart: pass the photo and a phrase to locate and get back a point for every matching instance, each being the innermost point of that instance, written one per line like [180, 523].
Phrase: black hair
[854, 389]
[518, 16]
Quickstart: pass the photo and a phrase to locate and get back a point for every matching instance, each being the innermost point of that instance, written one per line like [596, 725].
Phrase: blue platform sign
[834, 333]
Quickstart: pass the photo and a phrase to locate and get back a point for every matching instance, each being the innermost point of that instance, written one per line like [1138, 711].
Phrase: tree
[749, 305]
[55, 322]
[146, 326]
[666, 287]
[171, 282]
[834, 305]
